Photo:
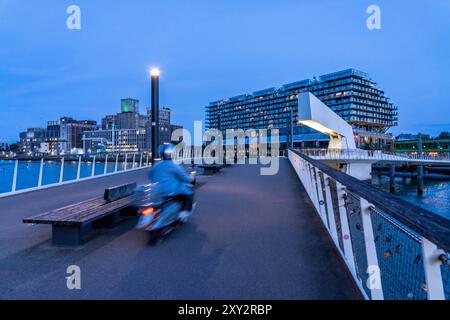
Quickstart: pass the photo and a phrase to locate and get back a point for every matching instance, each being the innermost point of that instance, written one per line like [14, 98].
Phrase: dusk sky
[208, 50]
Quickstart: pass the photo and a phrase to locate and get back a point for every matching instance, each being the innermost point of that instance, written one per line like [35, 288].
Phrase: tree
[444, 135]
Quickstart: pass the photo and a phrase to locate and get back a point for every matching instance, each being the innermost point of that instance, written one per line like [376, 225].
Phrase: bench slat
[65, 212]
[83, 216]
[110, 207]
[107, 207]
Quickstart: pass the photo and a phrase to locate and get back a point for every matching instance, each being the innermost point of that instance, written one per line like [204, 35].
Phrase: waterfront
[436, 197]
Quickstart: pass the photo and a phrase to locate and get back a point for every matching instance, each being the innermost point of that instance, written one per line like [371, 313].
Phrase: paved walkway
[252, 237]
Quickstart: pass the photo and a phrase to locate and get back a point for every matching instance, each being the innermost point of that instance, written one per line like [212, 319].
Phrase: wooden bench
[69, 223]
[211, 169]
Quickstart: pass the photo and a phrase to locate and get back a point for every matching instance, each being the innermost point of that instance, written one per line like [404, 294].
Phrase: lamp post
[155, 113]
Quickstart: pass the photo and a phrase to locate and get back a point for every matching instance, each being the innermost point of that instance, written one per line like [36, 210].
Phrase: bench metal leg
[66, 235]
[108, 222]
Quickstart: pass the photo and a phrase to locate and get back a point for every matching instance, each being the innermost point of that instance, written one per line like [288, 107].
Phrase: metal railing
[30, 175]
[359, 154]
[393, 249]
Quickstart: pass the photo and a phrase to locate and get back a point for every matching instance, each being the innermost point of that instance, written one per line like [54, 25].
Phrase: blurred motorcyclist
[173, 181]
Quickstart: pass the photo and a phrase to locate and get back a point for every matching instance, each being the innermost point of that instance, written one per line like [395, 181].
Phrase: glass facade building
[116, 141]
[351, 93]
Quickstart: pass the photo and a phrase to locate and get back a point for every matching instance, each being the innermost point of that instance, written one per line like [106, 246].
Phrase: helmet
[166, 151]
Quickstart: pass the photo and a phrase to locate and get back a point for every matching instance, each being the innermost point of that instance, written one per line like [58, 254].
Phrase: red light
[148, 212]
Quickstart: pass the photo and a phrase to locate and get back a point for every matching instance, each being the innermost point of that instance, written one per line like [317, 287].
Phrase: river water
[28, 172]
[436, 197]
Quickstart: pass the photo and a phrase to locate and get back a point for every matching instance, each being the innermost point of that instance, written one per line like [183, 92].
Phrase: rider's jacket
[171, 179]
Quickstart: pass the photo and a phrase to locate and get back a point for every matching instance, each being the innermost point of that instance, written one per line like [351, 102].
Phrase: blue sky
[209, 50]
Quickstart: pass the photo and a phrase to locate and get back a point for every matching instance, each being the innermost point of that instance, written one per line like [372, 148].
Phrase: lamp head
[154, 72]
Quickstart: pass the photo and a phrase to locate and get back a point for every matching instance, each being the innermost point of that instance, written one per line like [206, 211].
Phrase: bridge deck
[252, 237]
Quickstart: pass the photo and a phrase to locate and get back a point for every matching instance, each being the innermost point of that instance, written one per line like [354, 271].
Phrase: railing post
[93, 166]
[147, 160]
[106, 165]
[320, 199]
[432, 267]
[41, 173]
[134, 161]
[79, 168]
[14, 182]
[374, 282]
[308, 181]
[140, 160]
[345, 230]
[116, 167]
[61, 171]
[313, 189]
[330, 210]
[126, 162]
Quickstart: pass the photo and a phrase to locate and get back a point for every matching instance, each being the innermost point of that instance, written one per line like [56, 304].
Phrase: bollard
[117, 163]
[420, 180]
[392, 178]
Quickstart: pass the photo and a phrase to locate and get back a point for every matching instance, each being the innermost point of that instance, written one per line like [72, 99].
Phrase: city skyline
[210, 51]
[246, 151]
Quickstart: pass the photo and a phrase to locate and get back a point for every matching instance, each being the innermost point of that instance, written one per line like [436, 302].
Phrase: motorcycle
[158, 215]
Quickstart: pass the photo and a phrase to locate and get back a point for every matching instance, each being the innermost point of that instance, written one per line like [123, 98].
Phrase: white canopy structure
[315, 114]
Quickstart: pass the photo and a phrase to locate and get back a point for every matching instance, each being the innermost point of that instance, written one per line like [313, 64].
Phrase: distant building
[54, 137]
[128, 118]
[128, 131]
[165, 124]
[352, 94]
[4, 146]
[30, 141]
[108, 122]
[125, 132]
[60, 137]
[116, 141]
[406, 136]
[424, 145]
[72, 132]
[129, 105]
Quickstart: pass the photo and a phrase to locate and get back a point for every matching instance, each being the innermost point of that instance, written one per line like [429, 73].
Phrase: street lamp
[155, 73]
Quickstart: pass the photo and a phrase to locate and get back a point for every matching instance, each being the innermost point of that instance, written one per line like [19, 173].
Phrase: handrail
[424, 222]
[369, 154]
[128, 161]
[393, 249]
